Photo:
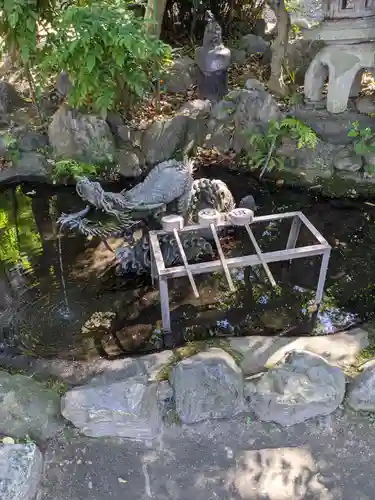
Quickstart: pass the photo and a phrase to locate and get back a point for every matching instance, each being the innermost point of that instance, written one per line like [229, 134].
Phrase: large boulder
[113, 406]
[361, 393]
[163, 138]
[207, 385]
[27, 407]
[87, 138]
[301, 386]
[20, 471]
[181, 76]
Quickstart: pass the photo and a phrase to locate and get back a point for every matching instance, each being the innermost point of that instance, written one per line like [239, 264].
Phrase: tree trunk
[279, 47]
[154, 14]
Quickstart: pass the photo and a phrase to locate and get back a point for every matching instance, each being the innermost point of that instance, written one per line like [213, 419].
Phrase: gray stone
[253, 44]
[223, 110]
[63, 84]
[74, 135]
[114, 407]
[27, 407]
[207, 385]
[347, 160]
[260, 353]
[29, 166]
[219, 136]
[366, 105]
[248, 202]
[238, 56]
[253, 84]
[255, 108]
[130, 135]
[181, 76]
[20, 471]
[299, 55]
[128, 162]
[163, 138]
[301, 386]
[153, 363]
[361, 392]
[29, 140]
[197, 108]
[10, 99]
[332, 128]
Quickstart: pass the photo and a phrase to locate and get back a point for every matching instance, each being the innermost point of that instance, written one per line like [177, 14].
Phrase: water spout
[66, 311]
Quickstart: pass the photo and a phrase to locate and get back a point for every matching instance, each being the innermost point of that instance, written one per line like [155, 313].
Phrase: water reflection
[101, 314]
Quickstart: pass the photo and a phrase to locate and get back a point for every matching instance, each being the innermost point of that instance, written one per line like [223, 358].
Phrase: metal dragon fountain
[168, 188]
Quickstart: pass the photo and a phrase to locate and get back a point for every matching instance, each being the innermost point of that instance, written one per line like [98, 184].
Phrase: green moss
[192, 348]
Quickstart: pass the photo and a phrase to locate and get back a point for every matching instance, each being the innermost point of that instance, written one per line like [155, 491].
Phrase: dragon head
[90, 191]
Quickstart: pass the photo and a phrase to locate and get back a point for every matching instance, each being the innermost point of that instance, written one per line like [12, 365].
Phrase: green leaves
[264, 146]
[106, 52]
[364, 143]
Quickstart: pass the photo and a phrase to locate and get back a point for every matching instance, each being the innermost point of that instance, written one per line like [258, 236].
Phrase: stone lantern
[348, 29]
[212, 59]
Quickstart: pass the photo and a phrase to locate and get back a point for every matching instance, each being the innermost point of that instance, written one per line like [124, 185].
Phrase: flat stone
[27, 407]
[361, 392]
[339, 349]
[75, 372]
[20, 471]
[301, 386]
[347, 160]
[207, 385]
[28, 166]
[114, 407]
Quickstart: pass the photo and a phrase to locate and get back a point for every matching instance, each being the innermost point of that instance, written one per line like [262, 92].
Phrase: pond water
[86, 311]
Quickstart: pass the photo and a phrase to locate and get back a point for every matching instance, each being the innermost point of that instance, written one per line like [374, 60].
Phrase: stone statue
[169, 186]
[212, 60]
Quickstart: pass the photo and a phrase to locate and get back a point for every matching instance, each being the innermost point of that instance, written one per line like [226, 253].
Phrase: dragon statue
[168, 188]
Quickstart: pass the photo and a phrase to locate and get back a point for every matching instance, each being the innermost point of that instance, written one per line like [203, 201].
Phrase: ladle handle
[186, 263]
[259, 254]
[222, 259]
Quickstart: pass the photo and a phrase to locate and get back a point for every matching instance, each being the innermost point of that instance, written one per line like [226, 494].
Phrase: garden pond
[60, 296]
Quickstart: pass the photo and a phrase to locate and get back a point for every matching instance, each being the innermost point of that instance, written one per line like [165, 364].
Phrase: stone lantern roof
[344, 21]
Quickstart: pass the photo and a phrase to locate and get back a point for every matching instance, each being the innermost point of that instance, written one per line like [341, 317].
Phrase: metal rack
[290, 253]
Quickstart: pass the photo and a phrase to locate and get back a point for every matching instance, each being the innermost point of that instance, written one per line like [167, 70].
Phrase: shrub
[264, 146]
[106, 52]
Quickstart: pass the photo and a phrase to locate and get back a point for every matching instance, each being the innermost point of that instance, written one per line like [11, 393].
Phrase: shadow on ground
[327, 459]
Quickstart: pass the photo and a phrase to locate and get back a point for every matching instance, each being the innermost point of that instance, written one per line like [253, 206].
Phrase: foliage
[362, 144]
[185, 18]
[264, 146]
[107, 53]
[11, 145]
[71, 169]
[19, 26]
[19, 236]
